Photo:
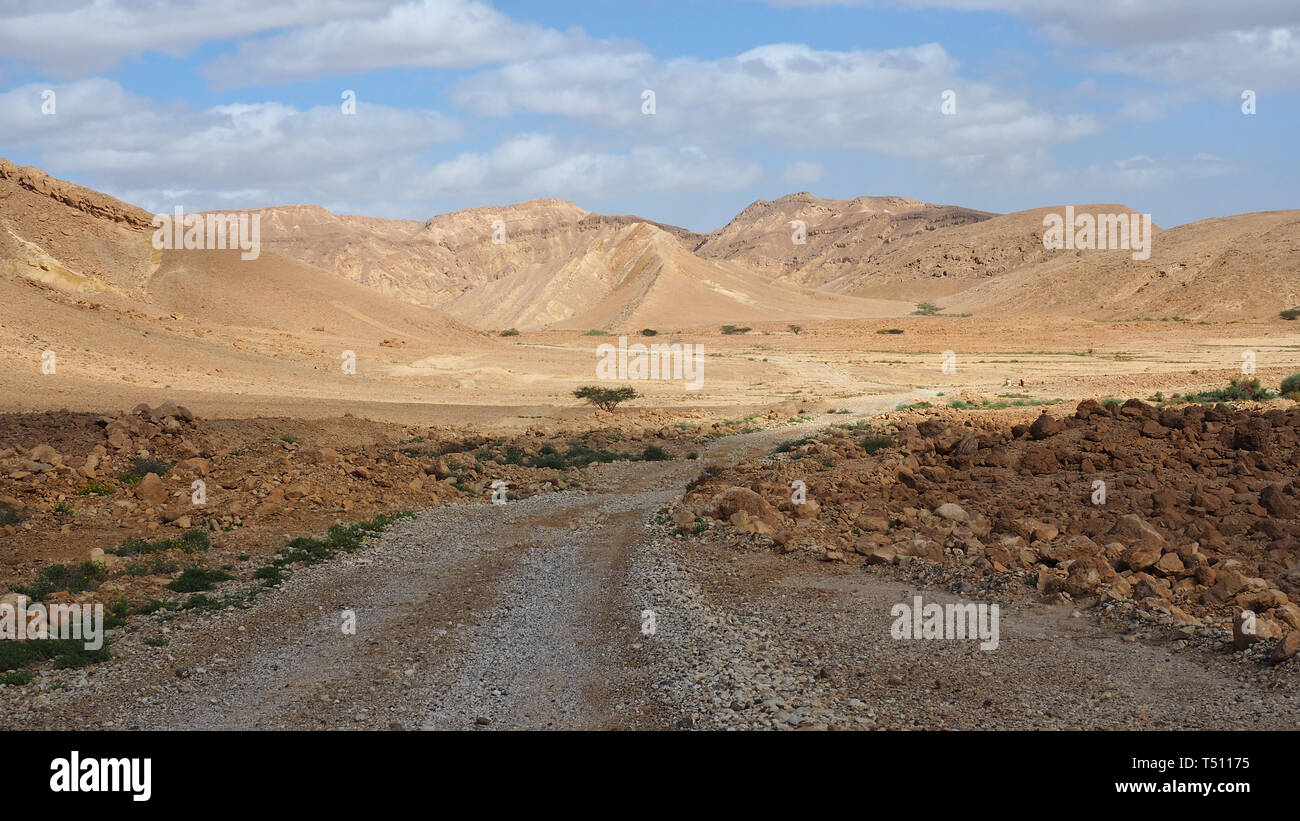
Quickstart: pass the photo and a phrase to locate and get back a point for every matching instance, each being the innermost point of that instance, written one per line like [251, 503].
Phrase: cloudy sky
[459, 103]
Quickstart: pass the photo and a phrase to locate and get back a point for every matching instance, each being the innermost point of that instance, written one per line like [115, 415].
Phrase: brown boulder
[1275, 500]
[150, 490]
[1287, 647]
[1045, 426]
[759, 515]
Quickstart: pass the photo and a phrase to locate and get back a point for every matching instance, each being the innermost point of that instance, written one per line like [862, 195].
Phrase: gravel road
[528, 615]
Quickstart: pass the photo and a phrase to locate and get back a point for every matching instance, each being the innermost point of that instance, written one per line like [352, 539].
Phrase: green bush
[649, 332]
[734, 329]
[871, 444]
[654, 453]
[15, 655]
[57, 577]
[141, 467]
[890, 331]
[510, 332]
[197, 579]
[1291, 384]
[1291, 313]
[194, 540]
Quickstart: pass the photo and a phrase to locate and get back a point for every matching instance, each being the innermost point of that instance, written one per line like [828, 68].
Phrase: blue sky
[237, 104]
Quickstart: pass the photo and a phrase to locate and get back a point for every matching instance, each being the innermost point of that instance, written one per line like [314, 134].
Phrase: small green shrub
[57, 577]
[735, 329]
[17, 678]
[197, 579]
[873, 443]
[95, 488]
[141, 467]
[654, 453]
[510, 332]
[194, 540]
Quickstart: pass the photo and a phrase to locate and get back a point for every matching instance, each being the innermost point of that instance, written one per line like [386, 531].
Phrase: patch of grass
[155, 641]
[1291, 384]
[926, 309]
[57, 577]
[289, 438]
[578, 455]
[914, 406]
[509, 332]
[596, 332]
[791, 444]
[66, 653]
[795, 329]
[194, 540]
[731, 330]
[890, 331]
[17, 678]
[9, 516]
[96, 488]
[306, 550]
[985, 404]
[654, 453]
[1240, 389]
[140, 467]
[198, 579]
[873, 443]
[1290, 313]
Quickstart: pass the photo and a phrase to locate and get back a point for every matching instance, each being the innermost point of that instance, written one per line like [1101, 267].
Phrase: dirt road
[529, 615]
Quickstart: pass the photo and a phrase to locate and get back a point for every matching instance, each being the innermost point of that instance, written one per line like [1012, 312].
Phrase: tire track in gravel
[523, 615]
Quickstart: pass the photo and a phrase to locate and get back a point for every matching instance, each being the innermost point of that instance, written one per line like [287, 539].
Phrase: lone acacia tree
[605, 398]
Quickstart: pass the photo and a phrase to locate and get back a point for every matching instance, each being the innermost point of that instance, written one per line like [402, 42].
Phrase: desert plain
[914, 400]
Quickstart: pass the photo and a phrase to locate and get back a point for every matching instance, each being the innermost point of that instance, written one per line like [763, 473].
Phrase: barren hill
[1236, 267]
[435, 261]
[842, 236]
[639, 275]
[71, 238]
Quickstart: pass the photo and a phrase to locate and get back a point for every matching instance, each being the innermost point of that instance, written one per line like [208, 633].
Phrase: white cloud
[537, 165]
[74, 37]
[803, 172]
[1210, 45]
[141, 150]
[420, 33]
[788, 95]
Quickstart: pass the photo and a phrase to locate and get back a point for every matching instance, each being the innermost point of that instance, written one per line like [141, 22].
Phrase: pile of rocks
[1190, 512]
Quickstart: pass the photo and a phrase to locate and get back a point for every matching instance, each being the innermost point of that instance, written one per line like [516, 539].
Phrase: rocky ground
[532, 614]
[75, 487]
[1188, 514]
